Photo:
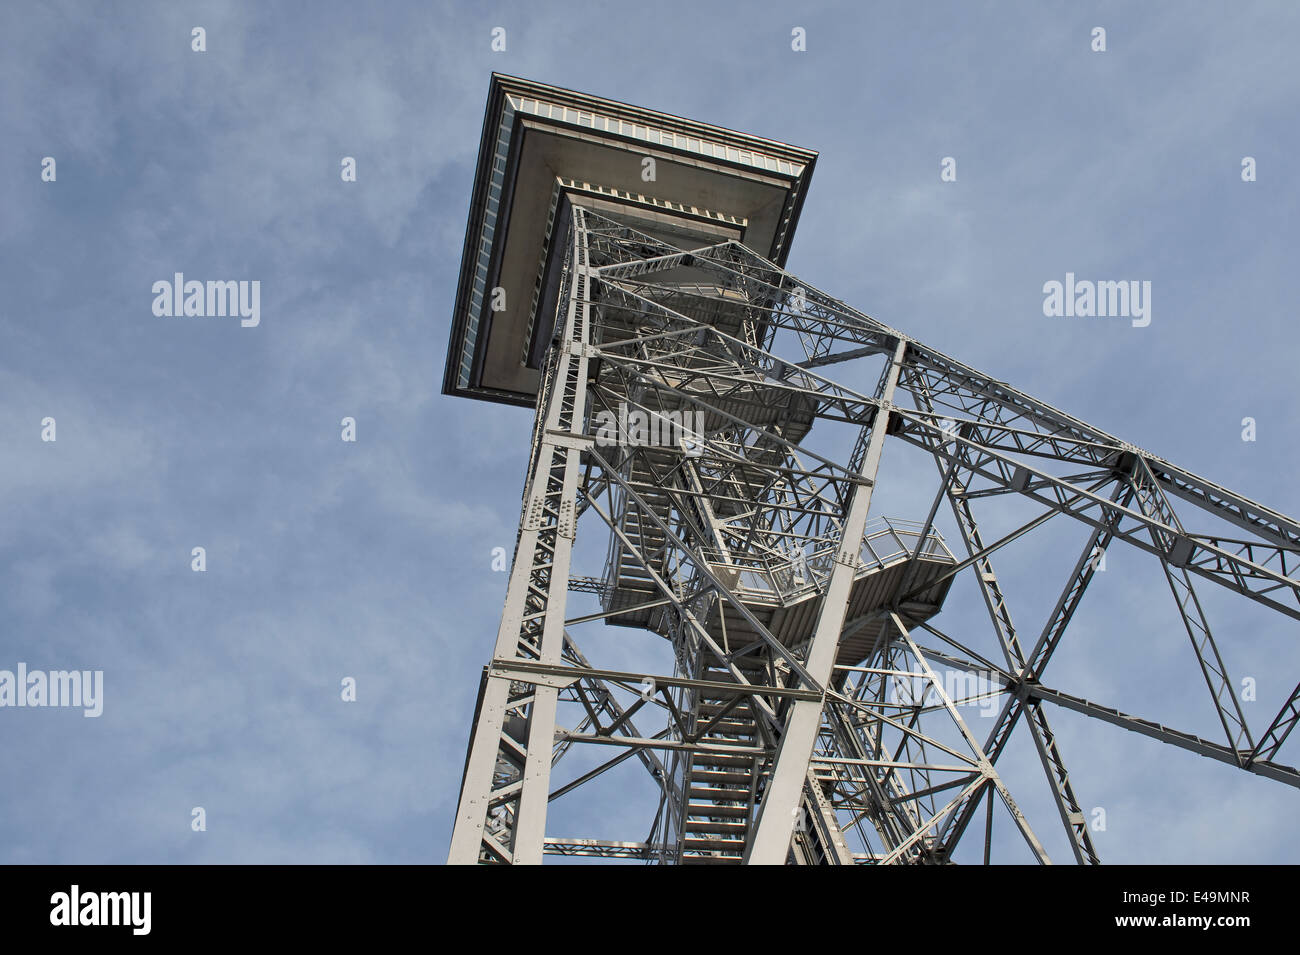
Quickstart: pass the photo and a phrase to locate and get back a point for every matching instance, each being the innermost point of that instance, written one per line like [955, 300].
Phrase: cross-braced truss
[811, 715]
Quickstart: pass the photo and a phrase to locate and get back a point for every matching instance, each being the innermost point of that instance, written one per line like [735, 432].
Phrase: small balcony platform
[784, 594]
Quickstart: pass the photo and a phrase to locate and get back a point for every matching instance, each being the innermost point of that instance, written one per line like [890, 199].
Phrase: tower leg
[501, 816]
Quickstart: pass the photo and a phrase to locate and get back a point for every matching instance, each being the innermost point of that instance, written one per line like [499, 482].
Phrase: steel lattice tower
[735, 533]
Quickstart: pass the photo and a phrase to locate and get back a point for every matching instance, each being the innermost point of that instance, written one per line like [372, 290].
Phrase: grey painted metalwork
[794, 613]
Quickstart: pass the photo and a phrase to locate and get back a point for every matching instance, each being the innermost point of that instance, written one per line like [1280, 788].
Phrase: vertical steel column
[771, 842]
[506, 766]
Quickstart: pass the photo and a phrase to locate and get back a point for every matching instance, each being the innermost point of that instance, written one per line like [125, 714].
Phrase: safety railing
[886, 541]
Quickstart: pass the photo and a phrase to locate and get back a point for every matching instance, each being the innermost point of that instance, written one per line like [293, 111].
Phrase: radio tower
[623, 275]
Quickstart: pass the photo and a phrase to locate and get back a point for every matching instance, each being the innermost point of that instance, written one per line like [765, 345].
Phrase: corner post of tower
[532, 624]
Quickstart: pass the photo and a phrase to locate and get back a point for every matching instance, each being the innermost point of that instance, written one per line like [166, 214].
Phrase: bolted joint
[567, 526]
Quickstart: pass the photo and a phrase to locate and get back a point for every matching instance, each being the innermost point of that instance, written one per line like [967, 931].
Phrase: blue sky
[373, 560]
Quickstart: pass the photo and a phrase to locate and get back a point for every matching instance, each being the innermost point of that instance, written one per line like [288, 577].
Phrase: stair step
[734, 828]
[722, 675]
[730, 733]
[720, 795]
[705, 760]
[719, 776]
[733, 845]
[739, 711]
[709, 809]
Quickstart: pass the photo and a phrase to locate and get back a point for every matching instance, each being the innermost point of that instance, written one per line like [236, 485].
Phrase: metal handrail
[885, 541]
